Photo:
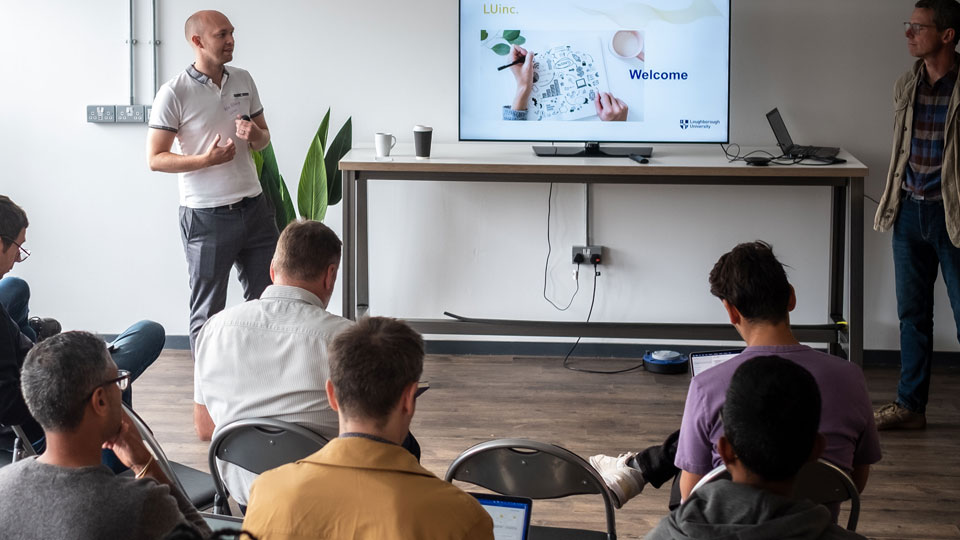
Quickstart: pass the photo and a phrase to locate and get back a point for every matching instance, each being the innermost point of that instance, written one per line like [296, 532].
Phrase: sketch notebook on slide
[795, 150]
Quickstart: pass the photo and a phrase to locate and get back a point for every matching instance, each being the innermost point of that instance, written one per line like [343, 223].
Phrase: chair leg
[221, 506]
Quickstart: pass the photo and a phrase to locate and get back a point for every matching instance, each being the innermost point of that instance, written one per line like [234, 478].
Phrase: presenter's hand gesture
[246, 130]
[523, 73]
[216, 154]
[610, 109]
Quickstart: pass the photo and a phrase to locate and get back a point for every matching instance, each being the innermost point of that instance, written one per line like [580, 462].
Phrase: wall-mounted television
[601, 71]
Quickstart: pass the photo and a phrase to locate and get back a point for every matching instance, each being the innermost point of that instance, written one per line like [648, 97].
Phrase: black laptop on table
[786, 145]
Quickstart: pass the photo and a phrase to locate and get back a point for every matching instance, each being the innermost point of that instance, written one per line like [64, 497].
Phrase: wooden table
[670, 165]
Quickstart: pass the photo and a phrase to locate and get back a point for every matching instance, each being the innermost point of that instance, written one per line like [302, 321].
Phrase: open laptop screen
[704, 360]
[779, 130]
[511, 515]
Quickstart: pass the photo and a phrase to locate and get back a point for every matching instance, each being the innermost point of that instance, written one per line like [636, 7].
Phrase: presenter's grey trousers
[244, 235]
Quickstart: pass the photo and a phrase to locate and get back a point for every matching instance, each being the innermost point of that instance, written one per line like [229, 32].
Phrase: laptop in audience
[511, 515]
[704, 360]
[785, 142]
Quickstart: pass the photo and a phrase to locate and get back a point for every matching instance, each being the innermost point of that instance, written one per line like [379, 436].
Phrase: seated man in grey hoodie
[771, 419]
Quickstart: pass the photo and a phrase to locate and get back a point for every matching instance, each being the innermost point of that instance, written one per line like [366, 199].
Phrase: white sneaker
[624, 481]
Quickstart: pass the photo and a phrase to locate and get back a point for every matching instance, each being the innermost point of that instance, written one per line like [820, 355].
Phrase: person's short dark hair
[371, 363]
[306, 249]
[771, 416]
[946, 14]
[752, 279]
[12, 220]
[58, 376]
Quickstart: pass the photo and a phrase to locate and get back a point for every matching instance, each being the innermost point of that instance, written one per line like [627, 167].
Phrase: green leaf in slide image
[511, 35]
[501, 48]
[519, 41]
[484, 35]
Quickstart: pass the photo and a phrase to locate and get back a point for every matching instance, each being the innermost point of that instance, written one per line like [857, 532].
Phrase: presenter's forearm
[261, 140]
[170, 162]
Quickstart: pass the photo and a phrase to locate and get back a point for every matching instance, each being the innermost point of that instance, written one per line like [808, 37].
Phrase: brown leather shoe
[895, 416]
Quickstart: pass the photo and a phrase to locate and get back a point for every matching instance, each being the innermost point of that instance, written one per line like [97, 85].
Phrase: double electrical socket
[587, 255]
[120, 114]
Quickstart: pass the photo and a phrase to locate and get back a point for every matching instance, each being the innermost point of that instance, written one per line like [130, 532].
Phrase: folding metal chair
[258, 445]
[524, 468]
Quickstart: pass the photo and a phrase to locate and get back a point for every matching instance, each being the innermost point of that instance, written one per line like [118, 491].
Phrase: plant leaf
[312, 191]
[484, 35]
[519, 41]
[322, 130]
[273, 187]
[501, 48]
[286, 209]
[257, 161]
[339, 147]
[511, 35]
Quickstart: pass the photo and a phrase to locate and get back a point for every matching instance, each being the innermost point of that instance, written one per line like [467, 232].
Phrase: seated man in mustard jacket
[363, 484]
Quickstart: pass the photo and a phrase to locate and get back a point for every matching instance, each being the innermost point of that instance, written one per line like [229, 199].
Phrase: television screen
[595, 70]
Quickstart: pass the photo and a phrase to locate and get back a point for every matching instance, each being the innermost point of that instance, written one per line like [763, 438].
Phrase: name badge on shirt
[232, 108]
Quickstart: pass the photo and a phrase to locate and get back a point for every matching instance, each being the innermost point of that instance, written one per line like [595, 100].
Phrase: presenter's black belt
[242, 203]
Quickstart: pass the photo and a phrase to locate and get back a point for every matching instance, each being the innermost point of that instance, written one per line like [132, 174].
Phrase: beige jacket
[903, 96]
[358, 489]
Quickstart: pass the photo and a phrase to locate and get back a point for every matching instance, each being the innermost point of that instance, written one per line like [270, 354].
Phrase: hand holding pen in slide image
[523, 73]
[610, 108]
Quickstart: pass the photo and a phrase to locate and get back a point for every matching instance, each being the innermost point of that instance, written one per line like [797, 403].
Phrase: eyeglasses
[915, 28]
[24, 252]
[122, 379]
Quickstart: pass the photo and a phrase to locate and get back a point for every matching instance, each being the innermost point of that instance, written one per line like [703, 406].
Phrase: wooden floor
[914, 492]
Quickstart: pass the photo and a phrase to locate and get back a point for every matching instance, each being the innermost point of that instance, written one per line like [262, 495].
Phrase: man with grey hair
[73, 389]
[216, 116]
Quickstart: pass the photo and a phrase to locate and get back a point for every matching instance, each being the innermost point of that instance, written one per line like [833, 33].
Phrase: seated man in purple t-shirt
[753, 287]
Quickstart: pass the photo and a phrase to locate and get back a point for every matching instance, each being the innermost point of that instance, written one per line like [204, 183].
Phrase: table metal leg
[363, 270]
[855, 320]
[838, 234]
[348, 263]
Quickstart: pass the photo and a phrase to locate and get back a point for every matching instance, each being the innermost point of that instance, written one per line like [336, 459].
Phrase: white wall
[104, 229]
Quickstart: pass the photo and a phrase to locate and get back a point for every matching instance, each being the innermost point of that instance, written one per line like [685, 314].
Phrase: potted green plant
[321, 182]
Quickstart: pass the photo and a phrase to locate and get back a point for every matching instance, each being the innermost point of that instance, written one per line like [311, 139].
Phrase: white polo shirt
[194, 108]
[267, 358]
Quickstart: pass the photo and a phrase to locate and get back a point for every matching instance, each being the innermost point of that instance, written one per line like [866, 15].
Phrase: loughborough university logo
[684, 124]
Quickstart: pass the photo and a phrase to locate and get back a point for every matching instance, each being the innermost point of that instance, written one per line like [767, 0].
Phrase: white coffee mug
[384, 143]
[627, 44]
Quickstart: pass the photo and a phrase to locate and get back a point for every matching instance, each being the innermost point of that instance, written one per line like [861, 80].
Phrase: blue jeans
[15, 297]
[921, 245]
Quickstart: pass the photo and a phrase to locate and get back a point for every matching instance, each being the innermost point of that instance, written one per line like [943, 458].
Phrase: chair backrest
[260, 444]
[819, 481]
[824, 483]
[524, 468]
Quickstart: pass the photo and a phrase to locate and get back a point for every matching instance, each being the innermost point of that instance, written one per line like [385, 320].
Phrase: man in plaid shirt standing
[921, 200]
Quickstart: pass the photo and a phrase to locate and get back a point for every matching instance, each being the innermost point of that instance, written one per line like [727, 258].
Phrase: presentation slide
[599, 70]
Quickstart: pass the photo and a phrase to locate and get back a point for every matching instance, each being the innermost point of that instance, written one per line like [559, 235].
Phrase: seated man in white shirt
[267, 358]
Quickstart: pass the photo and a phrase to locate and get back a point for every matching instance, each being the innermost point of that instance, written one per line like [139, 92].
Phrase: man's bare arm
[160, 158]
[859, 476]
[202, 422]
[687, 481]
